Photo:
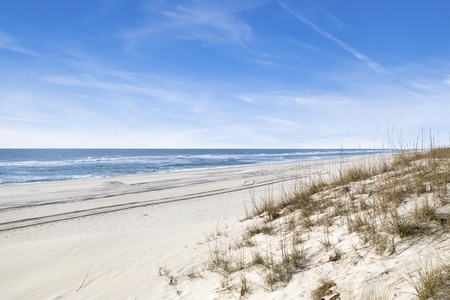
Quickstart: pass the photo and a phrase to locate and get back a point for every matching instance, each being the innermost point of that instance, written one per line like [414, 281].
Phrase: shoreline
[132, 178]
[115, 233]
[166, 171]
[85, 166]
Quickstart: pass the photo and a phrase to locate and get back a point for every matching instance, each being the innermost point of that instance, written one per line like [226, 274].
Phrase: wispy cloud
[269, 116]
[115, 86]
[283, 122]
[214, 25]
[116, 98]
[27, 120]
[211, 26]
[9, 43]
[292, 96]
[204, 23]
[336, 21]
[372, 64]
[447, 80]
[421, 86]
[247, 99]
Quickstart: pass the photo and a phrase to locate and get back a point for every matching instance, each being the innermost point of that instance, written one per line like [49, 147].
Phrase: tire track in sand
[41, 220]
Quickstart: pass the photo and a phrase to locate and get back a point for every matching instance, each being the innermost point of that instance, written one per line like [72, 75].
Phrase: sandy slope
[106, 239]
[151, 237]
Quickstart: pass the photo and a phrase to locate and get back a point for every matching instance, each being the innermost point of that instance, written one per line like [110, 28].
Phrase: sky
[224, 74]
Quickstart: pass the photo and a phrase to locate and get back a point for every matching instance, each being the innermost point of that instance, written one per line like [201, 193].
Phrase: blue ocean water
[21, 166]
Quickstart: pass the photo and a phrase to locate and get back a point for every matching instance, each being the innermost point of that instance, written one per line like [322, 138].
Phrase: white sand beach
[149, 237]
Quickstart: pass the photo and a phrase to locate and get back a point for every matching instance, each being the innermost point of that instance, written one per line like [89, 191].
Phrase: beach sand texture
[148, 237]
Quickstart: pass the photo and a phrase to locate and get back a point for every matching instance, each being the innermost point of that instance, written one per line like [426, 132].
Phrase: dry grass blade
[323, 289]
[390, 206]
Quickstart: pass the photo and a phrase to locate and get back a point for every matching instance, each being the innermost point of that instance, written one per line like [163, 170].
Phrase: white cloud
[447, 81]
[288, 117]
[95, 138]
[372, 64]
[335, 21]
[215, 25]
[247, 99]
[282, 122]
[304, 101]
[209, 24]
[117, 86]
[27, 120]
[292, 96]
[421, 86]
[9, 43]
[96, 104]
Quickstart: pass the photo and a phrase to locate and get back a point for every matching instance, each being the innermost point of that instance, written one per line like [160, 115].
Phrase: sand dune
[150, 237]
[106, 238]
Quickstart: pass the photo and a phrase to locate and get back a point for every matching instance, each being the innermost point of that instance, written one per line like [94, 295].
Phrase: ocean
[24, 166]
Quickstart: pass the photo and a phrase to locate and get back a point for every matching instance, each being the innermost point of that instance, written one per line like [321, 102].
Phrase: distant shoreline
[29, 166]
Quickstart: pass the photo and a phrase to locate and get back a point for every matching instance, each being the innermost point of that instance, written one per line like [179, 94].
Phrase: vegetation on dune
[388, 206]
[368, 200]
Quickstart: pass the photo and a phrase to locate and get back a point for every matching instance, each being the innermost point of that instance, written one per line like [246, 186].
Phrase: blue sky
[215, 74]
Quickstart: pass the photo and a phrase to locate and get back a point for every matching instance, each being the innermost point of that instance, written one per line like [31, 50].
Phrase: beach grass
[388, 204]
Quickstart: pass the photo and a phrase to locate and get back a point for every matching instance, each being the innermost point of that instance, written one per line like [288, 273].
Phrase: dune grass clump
[279, 269]
[275, 262]
[387, 205]
[431, 282]
[323, 289]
